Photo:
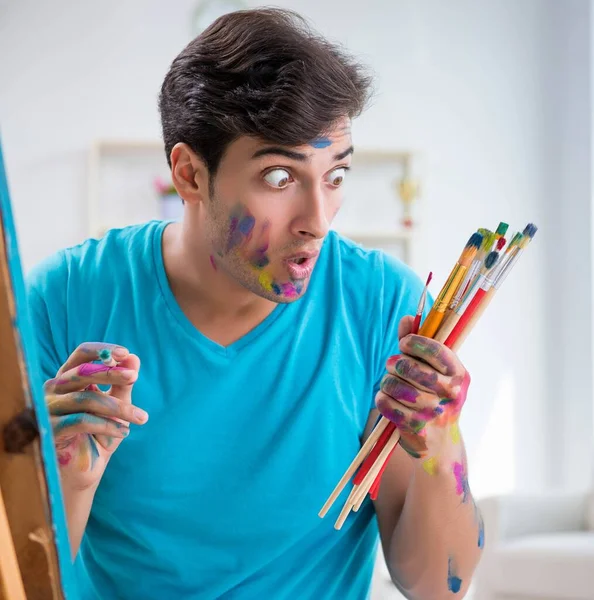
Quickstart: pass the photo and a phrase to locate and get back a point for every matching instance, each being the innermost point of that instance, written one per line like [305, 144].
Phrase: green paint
[417, 426]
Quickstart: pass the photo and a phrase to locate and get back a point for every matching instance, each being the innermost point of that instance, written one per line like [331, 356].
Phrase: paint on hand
[455, 432]
[431, 466]
[105, 355]
[64, 458]
[462, 487]
[481, 533]
[89, 369]
[322, 142]
[454, 582]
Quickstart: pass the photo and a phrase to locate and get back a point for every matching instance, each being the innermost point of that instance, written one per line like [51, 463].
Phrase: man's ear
[189, 174]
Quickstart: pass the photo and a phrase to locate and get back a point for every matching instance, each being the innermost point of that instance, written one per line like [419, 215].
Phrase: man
[264, 338]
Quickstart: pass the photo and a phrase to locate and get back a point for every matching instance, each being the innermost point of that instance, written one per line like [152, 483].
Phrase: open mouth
[299, 261]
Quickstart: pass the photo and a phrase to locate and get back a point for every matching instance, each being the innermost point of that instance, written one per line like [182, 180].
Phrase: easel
[35, 559]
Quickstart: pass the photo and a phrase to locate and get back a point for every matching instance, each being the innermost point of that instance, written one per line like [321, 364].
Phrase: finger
[405, 326]
[76, 423]
[90, 351]
[123, 391]
[437, 355]
[407, 394]
[402, 416]
[419, 375]
[86, 374]
[97, 403]
[412, 429]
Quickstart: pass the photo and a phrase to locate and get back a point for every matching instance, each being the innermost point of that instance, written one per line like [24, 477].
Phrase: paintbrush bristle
[502, 229]
[500, 243]
[429, 279]
[530, 230]
[491, 259]
[475, 241]
[488, 239]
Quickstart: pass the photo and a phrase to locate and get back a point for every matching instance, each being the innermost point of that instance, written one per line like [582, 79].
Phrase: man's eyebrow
[344, 154]
[279, 151]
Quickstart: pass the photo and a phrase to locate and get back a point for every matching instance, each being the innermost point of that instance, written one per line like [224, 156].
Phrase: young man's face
[272, 208]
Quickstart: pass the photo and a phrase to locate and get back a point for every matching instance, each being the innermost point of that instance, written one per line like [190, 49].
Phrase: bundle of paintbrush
[474, 280]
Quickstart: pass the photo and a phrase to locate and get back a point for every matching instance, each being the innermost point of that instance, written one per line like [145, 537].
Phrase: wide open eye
[278, 178]
[336, 177]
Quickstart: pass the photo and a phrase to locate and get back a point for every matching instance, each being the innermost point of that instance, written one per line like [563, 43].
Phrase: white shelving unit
[120, 191]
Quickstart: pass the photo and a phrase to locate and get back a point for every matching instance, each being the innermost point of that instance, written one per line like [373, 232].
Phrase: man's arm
[430, 528]
[77, 504]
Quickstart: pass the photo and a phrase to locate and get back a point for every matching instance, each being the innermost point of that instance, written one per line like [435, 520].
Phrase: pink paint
[392, 361]
[289, 290]
[212, 262]
[462, 488]
[89, 369]
[58, 381]
[64, 458]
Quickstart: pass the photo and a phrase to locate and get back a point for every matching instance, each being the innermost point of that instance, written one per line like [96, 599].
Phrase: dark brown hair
[259, 72]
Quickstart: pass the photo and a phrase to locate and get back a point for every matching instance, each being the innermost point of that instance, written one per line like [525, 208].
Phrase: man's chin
[285, 292]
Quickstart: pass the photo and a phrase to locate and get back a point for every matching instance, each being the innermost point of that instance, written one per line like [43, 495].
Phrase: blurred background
[482, 106]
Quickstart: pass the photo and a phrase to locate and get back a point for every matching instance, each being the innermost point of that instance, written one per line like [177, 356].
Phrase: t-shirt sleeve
[401, 292]
[46, 286]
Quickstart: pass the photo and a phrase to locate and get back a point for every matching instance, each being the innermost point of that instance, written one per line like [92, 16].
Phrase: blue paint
[94, 450]
[105, 354]
[481, 535]
[36, 398]
[276, 288]
[322, 142]
[454, 582]
[246, 225]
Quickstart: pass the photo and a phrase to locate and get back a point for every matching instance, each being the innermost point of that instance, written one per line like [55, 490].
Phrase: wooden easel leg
[10, 573]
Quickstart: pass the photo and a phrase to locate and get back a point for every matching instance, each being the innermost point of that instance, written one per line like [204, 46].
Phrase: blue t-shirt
[217, 496]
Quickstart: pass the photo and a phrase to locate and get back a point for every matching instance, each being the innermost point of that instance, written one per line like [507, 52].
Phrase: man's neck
[218, 306]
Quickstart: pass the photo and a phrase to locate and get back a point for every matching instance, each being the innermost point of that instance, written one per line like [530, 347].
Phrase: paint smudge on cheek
[241, 224]
[454, 582]
[213, 264]
[460, 474]
[291, 290]
[258, 258]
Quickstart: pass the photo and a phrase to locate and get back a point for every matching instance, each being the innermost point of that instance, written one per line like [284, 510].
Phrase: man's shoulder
[363, 266]
[94, 258]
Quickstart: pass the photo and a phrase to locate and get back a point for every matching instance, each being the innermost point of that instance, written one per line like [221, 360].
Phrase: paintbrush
[435, 316]
[106, 358]
[453, 316]
[378, 438]
[372, 479]
[489, 287]
[421, 306]
[449, 318]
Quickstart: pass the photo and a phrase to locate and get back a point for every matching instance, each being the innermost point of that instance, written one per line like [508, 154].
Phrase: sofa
[537, 547]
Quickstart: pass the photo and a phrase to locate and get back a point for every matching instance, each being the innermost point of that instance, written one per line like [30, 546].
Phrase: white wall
[467, 82]
[568, 199]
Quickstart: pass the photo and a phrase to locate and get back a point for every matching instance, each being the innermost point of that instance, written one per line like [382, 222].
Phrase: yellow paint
[455, 432]
[84, 461]
[430, 465]
[265, 281]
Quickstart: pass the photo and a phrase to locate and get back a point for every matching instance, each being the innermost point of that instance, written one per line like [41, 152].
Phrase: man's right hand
[88, 424]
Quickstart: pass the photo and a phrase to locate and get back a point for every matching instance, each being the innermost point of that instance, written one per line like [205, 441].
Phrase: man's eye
[337, 176]
[278, 178]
